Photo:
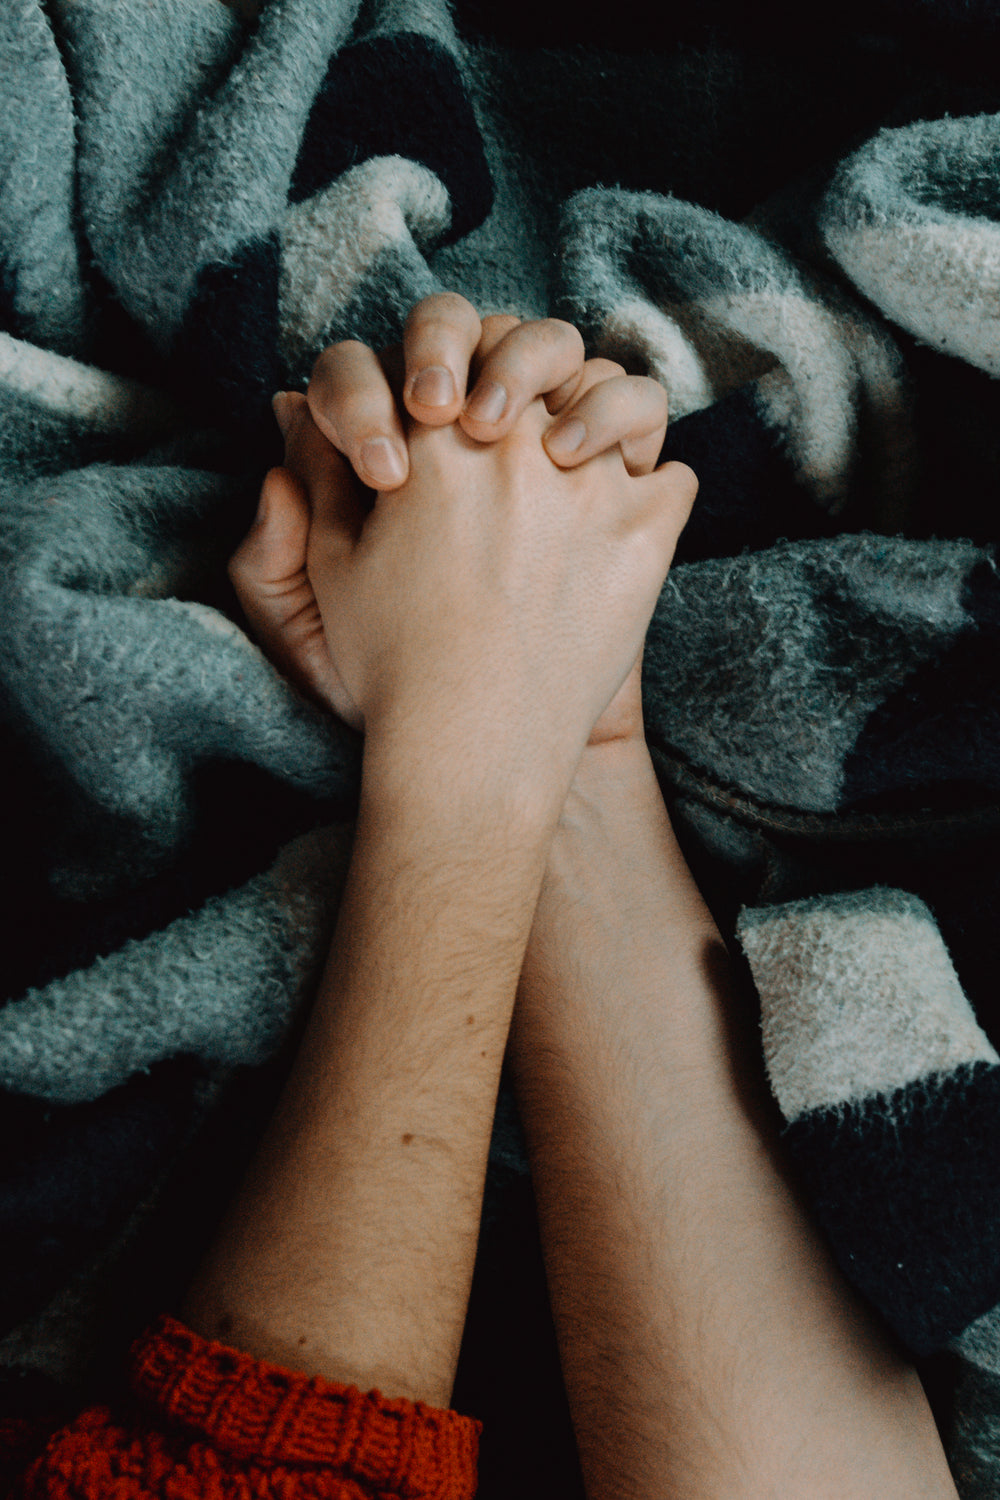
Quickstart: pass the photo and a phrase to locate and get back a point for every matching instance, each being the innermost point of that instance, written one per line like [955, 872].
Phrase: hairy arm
[709, 1344]
[476, 622]
[349, 1253]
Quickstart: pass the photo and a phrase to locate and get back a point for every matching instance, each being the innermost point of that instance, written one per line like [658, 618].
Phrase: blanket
[802, 244]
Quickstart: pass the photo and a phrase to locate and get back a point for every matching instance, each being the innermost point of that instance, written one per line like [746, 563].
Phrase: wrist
[605, 765]
[614, 853]
[620, 920]
[465, 787]
[614, 794]
[463, 850]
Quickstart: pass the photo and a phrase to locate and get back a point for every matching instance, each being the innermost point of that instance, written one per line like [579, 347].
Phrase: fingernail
[434, 386]
[566, 438]
[381, 461]
[488, 402]
[281, 405]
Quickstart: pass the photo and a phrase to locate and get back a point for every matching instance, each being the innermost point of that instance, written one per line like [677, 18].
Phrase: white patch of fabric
[858, 997]
[941, 281]
[807, 341]
[108, 403]
[980, 1342]
[635, 329]
[328, 243]
[815, 366]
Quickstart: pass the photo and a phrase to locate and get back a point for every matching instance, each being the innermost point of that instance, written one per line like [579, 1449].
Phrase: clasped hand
[498, 587]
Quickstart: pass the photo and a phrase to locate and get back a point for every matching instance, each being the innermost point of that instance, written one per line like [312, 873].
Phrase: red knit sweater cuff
[259, 1412]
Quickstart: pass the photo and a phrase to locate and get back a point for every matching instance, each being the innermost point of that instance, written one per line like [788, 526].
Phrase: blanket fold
[192, 205]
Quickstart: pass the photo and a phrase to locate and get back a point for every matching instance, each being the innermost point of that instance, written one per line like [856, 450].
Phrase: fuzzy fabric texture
[913, 220]
[242, 964]
[803, 245]
[890, 1090]
[976, 1445]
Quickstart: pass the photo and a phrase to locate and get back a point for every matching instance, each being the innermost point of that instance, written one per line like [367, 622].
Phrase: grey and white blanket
[804, 247]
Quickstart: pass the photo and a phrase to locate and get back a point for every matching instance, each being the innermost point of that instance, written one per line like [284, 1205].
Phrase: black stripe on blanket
[891, 1094]
[938, 734]
[748, 496]
[70, 1177]
[10, 322]
[907, 1187]
[225, 357]
[397, 96]
[390, 96]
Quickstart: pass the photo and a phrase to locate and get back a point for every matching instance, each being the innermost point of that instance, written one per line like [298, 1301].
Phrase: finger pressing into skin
[269, 578]
[627, 411]
[594, 372]
[531, 360]
[669, 493]
[352, 403]
[332, 492]
[274, 549]
[496, 326]
[439, 339]
[268, 569]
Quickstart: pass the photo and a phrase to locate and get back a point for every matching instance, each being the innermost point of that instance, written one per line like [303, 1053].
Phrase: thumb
[333, 497]
[670, 493]
[272, 555]
[268, 574]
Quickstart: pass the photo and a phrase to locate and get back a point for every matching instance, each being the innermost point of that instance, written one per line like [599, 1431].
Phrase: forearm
[709, 1345]
[349, 1251]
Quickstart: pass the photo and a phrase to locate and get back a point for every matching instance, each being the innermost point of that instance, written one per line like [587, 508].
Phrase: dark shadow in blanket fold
[70, 1177]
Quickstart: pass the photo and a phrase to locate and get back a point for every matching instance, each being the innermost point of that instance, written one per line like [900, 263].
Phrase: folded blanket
[805, 250]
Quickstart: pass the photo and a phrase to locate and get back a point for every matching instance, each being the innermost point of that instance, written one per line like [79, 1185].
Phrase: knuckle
[640, 457]
[359, 412]
[435, 334]
[547, 345]
[441, 310]
[329, 360]
[498, 325]
[650, 390]
[676, 490]
[565, 330]
[559, 334]
[601, 370]
[613, 401]
[684, 477]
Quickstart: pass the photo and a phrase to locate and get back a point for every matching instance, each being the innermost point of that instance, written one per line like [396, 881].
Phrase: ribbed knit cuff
[255, 1411]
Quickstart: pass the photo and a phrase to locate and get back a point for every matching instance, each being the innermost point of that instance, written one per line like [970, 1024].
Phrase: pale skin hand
[743, 1365]
[352, 400]
[534, 583]
[349, 1250]
[537, 558]
[452, 366]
